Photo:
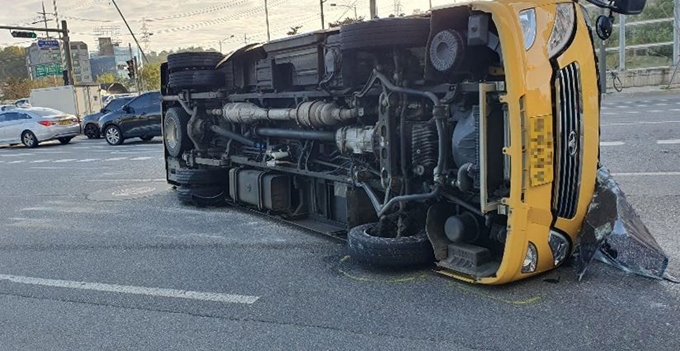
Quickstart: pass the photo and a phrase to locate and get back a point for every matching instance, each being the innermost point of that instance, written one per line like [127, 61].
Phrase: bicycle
[616, 81]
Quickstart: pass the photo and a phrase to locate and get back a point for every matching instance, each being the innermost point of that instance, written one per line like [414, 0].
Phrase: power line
[199, 12]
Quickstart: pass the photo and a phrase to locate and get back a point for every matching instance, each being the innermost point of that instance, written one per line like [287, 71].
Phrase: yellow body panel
[529, 79]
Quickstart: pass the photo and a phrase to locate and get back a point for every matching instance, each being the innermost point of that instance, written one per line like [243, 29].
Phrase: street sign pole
[64, 37]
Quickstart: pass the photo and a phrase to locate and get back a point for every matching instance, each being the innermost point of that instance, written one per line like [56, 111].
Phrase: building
[122, 55]
[102, 65]
[82, 71]
[47, 62]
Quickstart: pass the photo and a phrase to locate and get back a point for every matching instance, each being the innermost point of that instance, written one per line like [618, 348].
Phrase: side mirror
[629, 7]
[103, 110]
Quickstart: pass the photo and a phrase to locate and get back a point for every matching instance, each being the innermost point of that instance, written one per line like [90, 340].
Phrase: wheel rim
[171, 134]
[112, 135]
[28, 139]
[90, 131]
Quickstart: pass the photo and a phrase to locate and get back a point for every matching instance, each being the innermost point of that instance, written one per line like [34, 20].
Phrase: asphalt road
[96, 253]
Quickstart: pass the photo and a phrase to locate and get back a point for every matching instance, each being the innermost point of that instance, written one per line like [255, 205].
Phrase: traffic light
[131, 68]
[18, 34]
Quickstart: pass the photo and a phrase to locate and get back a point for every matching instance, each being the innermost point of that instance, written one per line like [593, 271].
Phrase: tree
[13, 62]
[151, 76]
[16, 88]
[294, 30]
[108, 78]
[346, 21]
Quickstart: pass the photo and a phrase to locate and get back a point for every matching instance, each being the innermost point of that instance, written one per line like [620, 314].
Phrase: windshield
[116, 104]
[46, 112]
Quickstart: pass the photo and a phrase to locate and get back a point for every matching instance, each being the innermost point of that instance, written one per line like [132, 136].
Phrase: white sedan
[34, 125]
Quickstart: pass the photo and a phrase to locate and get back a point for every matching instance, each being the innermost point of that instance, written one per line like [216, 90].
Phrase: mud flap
[613, 233]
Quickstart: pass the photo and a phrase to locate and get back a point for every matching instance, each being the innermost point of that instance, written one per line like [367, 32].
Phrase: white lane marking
[632, 112]
[632, 174]
[51, 168]
[65, 160]
[661, 104]
[13, 162]
[140, 158]
[161, 158]
[655, 111]
[116, 159]
[40, 161]
[608, 113]
[16, 155]
[669, 141]
[674, 109]
[134, 290]
[637, 123]
[128, 180]
[611, 143]
[88, 160]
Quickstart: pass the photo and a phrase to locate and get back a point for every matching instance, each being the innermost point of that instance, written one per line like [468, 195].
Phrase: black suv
[139, 118]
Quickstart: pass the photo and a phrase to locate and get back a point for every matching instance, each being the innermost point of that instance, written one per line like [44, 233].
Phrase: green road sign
[48, 70]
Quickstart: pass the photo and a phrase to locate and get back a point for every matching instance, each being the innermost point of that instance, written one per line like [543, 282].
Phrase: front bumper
[532, 79]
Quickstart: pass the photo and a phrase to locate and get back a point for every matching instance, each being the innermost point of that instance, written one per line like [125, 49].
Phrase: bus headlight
[530, 259]
[527, 18]
[559, 245]
[563, 29]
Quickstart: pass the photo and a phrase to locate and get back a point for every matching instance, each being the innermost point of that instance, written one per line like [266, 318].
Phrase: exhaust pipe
[307, 114]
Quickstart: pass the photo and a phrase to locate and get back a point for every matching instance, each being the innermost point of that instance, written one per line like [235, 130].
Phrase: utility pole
[44, 20]
[130, 29]
[430, 4]
[134, 66]
[374, 9]
[266, 16]
[323, 23]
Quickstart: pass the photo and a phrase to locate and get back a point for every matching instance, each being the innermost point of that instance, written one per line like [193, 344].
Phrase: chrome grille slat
[568, 123]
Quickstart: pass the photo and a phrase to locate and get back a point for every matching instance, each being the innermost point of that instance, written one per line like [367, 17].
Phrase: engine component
[465, 140]
[231, 135]
[307, 114]
[265, 190]
[424, 148]
[296, 134]
[463, 228]
[355, 139]
[447, 50]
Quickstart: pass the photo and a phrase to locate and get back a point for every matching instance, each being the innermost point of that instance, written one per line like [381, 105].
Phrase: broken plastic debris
[613, 233]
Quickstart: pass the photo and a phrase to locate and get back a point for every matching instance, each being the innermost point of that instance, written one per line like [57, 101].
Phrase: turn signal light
[45, 123]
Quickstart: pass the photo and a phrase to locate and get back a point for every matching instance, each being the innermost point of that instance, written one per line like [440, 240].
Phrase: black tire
[29, 139]
[110, 133]
[193, 61]
[65, 141]
[197, 177]
[146, 137]
[196, 80]
[385, 33]
[202, 196]
[397, 252]
[91, 131]
[175, 135]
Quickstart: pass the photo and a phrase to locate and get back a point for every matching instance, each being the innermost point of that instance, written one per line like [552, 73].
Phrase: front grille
[569, 140]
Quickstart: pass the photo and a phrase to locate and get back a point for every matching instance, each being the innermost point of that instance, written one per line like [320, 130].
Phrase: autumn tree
[16, 88]
[150, 75]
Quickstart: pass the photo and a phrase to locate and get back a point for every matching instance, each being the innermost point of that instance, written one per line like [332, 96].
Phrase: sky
[184, 23]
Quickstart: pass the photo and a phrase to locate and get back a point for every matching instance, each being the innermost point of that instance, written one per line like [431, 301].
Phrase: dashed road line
[40, 161]
[17, 161]
[88, 160]
[611, 143]
[655, 111]
[64, 160]
[116, 159]
[637, 123]
[132, 290]
[633, 174]
[669, 141]
[140, 158]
